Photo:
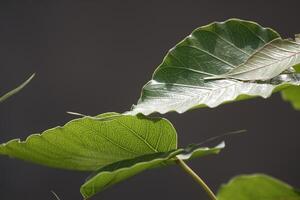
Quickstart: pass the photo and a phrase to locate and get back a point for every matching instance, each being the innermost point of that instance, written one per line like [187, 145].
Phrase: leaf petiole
[199, 180]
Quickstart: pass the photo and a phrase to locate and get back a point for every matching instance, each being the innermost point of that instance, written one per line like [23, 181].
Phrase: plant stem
[188, 170]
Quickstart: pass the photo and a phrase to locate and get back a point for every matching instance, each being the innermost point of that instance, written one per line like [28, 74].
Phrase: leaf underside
[119, 171]
[220, 63]
[90, 143]
[257, 187]
[16, 90]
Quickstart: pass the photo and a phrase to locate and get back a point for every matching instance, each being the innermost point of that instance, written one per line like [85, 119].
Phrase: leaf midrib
[253, 69]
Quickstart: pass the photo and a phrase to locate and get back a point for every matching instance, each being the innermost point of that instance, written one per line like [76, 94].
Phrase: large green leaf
[117, 146]
[90, 143]
[219, 63]
[14, 91]
[257, 187]
[119, 171]
[292, 93]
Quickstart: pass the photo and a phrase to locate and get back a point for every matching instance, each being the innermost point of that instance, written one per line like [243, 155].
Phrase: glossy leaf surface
[268, 62]
[220, 63]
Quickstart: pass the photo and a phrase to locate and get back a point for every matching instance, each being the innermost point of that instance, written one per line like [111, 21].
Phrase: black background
[94, 56]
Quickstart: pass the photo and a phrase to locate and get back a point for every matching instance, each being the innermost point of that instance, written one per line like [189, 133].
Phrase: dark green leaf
[219, 63]
[257, 187]
[92, 142]
[119, 171]
[14, 91]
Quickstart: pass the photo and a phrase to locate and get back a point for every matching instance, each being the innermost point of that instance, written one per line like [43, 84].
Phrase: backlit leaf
[292, 93]
[90, 143]
[257, 187]
[117, 172]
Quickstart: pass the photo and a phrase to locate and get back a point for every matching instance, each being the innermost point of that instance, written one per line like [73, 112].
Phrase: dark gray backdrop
[94, 56]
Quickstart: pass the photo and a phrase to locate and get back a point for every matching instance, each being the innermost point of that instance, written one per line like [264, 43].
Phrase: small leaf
[292, 93]
[92, 142]
[119, 171]
[268, 62]
[219, 63]
[16, 90]
[257, 187]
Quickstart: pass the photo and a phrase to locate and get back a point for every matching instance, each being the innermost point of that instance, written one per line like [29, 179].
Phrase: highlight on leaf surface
[119, 171]
[218, 63]
[257, 187]
[16, 90]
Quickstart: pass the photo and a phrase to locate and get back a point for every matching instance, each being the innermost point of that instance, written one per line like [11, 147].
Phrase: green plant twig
[14, 91]
[188, 170]
[55, 195]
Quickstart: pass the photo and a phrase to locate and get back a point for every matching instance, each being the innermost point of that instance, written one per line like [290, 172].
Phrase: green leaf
[90, 143]
[257, 187]
[117, 146]
[292, 93]
[119, 171]
[268, 62]
[14, 91]
[219, 63]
